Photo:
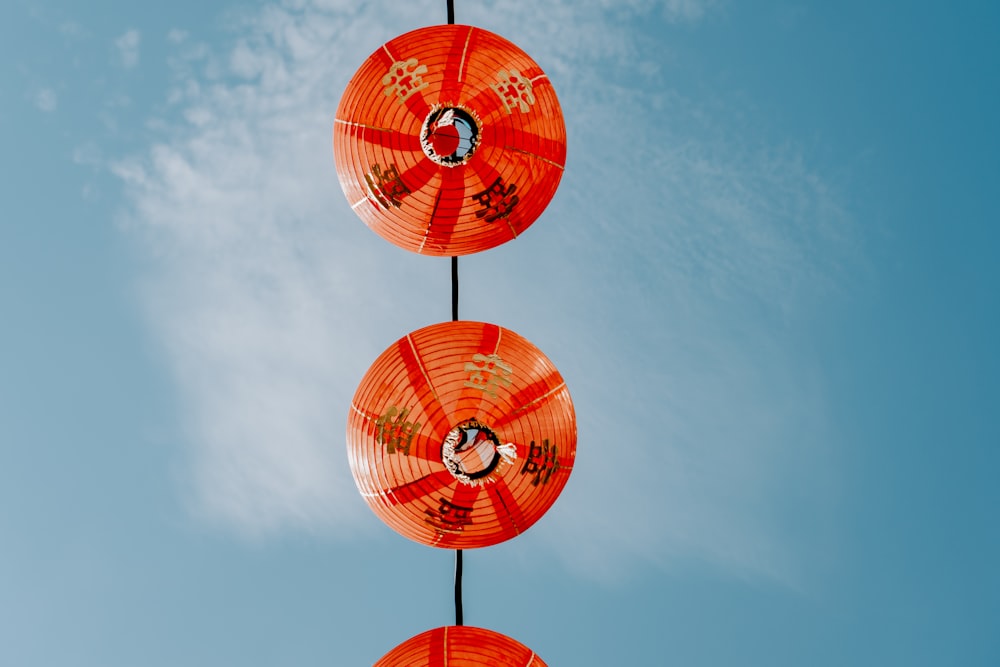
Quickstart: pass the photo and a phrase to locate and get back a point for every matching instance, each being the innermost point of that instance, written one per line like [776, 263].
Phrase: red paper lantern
[449, 140]
[460, 646]
[461, 435]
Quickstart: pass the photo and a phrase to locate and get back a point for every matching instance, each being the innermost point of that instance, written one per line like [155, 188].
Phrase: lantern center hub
[473, 453]
[449, 135]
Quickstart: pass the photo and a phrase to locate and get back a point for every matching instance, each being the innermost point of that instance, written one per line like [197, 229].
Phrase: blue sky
[767, 277]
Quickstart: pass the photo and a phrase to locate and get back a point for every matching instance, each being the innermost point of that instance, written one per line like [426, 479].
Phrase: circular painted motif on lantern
[449, 140]
[461, 435]
[460, 646]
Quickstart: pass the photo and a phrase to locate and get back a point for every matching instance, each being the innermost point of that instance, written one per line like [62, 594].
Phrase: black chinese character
[449, 517]
[497, 201]
[386, 186]
[541, 462]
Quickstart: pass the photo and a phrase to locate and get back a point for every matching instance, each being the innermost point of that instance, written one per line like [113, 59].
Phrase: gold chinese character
[393, 431]
[404, 78]
[486, 372]
[514, 90]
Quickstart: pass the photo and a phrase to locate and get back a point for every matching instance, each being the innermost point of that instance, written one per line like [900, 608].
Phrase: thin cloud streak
[128, 48]
[45, 99]
[673, 267]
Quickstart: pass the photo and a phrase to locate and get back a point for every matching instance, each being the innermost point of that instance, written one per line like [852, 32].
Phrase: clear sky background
[768, 277]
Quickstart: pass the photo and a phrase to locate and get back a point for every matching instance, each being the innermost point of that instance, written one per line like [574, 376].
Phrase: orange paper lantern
[449, 140]
[460, 646]
[461, 435]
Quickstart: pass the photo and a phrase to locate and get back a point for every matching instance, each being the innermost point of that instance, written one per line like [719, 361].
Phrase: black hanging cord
[454, 289]
[458, 587]
[458, 552]
[454, 318]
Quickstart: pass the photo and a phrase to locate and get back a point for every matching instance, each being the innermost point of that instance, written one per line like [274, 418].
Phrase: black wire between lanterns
[458, 587]
[458, 552]
[454, 289]
[454, 318]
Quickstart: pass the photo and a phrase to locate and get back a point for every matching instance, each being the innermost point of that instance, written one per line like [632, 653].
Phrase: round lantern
[460, 646]
[461, 435]
[449, 140]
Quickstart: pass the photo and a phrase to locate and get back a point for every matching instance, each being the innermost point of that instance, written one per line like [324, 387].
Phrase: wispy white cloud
[128, 48]
[676, 266]
[45, 99]
[671, 10]
[72, 29]
[88, 155]
[688, 10]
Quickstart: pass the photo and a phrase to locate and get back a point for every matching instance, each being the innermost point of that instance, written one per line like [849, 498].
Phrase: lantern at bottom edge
[460, 646]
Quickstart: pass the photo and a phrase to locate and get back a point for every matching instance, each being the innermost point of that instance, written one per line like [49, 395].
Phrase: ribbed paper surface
[460, 646]
[425, 385]
[448, 209]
